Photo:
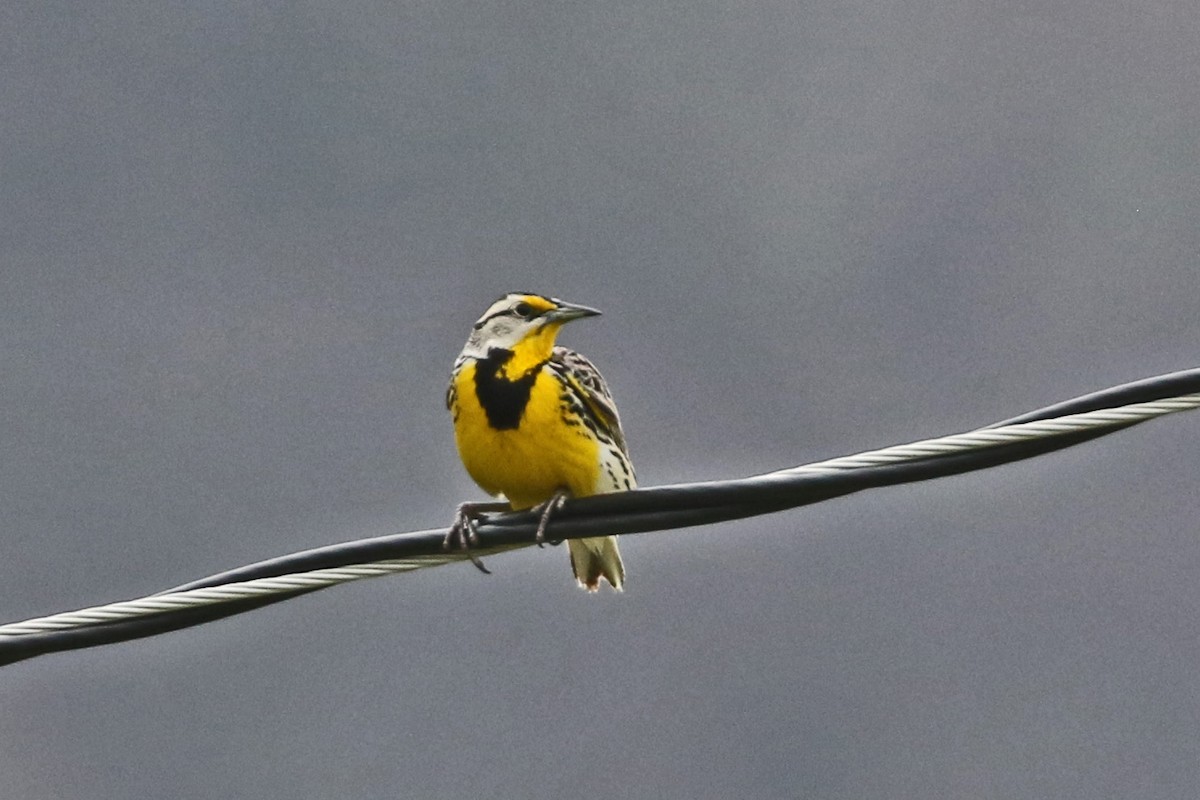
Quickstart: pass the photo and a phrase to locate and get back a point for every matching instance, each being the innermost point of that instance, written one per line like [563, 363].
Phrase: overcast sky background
[244, 241]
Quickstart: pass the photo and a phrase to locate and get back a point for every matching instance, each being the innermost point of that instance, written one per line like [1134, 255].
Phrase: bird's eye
[524, 310]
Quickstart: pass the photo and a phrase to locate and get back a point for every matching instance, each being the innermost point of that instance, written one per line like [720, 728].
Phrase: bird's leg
[546, 510]
[464, 532]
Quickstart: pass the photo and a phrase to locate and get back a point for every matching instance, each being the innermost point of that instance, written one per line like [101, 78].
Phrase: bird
[536, 423]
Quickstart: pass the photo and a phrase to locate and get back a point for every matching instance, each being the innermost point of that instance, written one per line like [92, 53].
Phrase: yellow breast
[545, 452]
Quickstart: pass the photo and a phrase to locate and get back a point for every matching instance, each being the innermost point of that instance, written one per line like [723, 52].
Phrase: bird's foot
[545, 511]
[464, 532]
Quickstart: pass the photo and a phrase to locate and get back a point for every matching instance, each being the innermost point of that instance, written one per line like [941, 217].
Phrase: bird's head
[523, 324]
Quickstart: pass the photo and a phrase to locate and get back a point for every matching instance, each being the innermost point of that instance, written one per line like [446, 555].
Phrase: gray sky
[243, 243]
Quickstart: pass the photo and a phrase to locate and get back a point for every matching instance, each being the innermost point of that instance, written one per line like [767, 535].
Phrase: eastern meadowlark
[536, 423]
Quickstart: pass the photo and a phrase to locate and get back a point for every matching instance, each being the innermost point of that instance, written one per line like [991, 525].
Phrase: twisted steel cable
[659, 508]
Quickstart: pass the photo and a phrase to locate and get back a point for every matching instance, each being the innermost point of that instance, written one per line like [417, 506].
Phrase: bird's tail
[596, 558]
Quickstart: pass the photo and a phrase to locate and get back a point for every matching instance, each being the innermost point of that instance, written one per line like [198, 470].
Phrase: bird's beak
[565, 312]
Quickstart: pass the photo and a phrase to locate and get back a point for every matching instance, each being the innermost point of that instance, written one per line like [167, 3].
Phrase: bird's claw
[546, 510]
[464, 534]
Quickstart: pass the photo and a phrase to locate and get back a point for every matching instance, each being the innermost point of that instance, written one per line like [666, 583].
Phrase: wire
[659, 508]
[244, 590]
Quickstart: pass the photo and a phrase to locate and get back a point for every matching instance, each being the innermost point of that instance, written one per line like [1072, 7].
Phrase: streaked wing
[589, 389]
[452, 390]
